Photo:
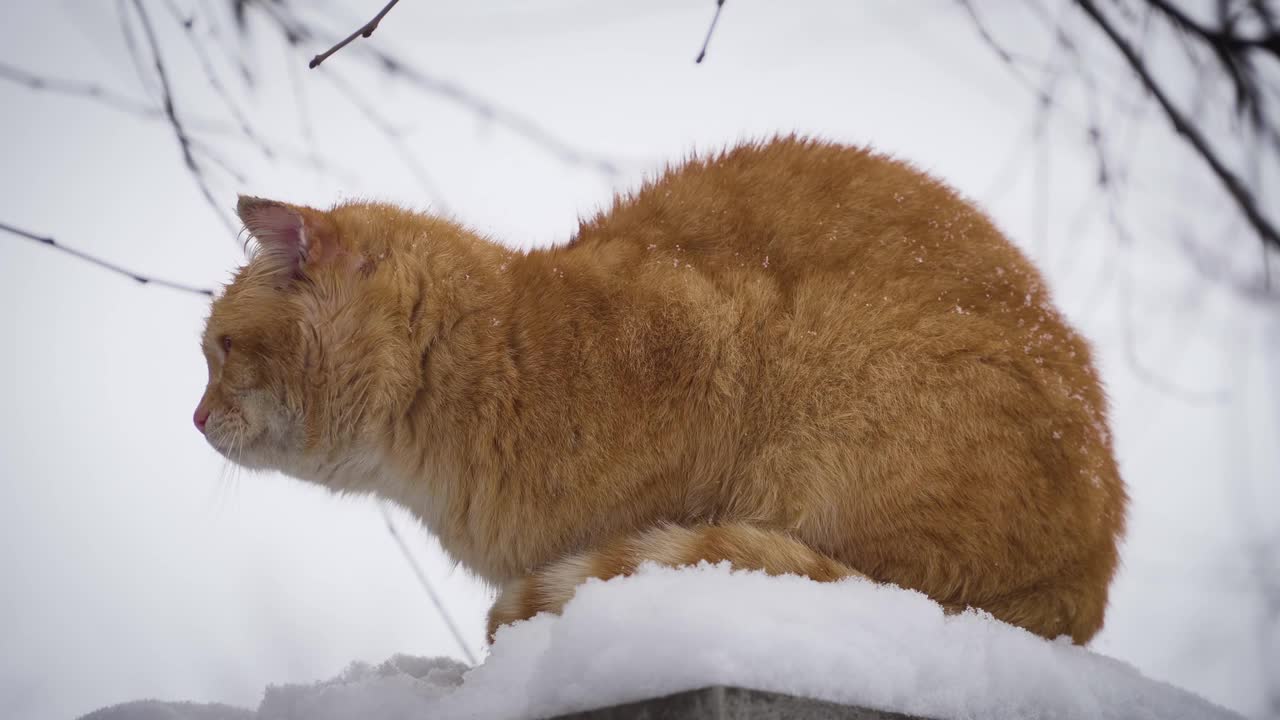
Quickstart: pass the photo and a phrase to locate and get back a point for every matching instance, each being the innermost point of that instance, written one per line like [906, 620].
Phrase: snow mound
[665, 630]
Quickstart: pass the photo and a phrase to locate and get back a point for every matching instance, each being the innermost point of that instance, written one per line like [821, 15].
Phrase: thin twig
[394, 67]
[519, 124]
[426, 584]
[1234, 54]
[102, 96]
[1222, 40]
[76, 88]
[215, 81]
[220, 39]
[1012, 59]
[204, 150]
[1216, 268]
[1016, 62]
[131, 45]
[1148, 375]
[1234, 186]
[179, 131]
[394, 137]
[707, 40]
[300, 106]
[271, 149]
[105, 264]
[365, 31]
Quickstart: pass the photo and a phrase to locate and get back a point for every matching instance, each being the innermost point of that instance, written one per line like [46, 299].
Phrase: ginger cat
[795, 356]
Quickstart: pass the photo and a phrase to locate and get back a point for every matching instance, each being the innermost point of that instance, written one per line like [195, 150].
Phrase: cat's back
[816, 232]
[792, 207]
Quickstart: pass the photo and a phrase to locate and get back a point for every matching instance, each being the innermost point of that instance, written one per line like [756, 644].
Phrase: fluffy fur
[795, 356]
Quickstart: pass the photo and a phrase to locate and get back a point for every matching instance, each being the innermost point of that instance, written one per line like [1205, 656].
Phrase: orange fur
[793, 348]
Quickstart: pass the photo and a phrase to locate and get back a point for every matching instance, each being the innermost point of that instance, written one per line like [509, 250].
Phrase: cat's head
[306, 348]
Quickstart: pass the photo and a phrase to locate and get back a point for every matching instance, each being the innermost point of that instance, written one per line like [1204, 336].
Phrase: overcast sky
[135, 564]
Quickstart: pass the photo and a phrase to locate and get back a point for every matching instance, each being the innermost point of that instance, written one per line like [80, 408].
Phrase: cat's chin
[265, 454]
[248, 462]
[248, 454]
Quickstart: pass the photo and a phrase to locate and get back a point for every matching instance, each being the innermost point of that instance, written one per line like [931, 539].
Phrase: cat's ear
[290, 237]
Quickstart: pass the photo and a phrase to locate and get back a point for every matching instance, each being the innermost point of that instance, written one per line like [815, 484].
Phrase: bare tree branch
[294, 27]
[105, 264]
[1231, 50]
[74, 88]
[1010, 58]
[179, 131]
[707, 41]
[210, 74]
[131, 45]
[394, 137]
[220, 162]
[1256, 286]
[270, 149]
[301, 112]
[426, 584]
[365, 31]
[1236, 35]
[1244, 199]
[520, 124]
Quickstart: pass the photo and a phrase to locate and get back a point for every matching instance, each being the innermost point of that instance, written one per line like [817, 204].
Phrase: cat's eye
[226, 343]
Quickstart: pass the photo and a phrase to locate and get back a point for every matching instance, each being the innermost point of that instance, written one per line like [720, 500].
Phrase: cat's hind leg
[745, 547]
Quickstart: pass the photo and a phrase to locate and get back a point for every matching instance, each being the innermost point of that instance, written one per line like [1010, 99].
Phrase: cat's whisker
[216, 492]
[220, 489]
[237, 450]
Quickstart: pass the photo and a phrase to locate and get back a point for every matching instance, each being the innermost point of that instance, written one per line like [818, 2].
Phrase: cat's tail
[744, 546]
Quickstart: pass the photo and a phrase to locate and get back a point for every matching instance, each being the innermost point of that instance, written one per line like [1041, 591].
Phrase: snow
[665, 630]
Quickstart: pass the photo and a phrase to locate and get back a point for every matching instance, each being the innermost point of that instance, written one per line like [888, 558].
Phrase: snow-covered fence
[828, 650]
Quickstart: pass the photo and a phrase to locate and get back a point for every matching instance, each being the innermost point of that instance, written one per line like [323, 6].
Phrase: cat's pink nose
[201, 417]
